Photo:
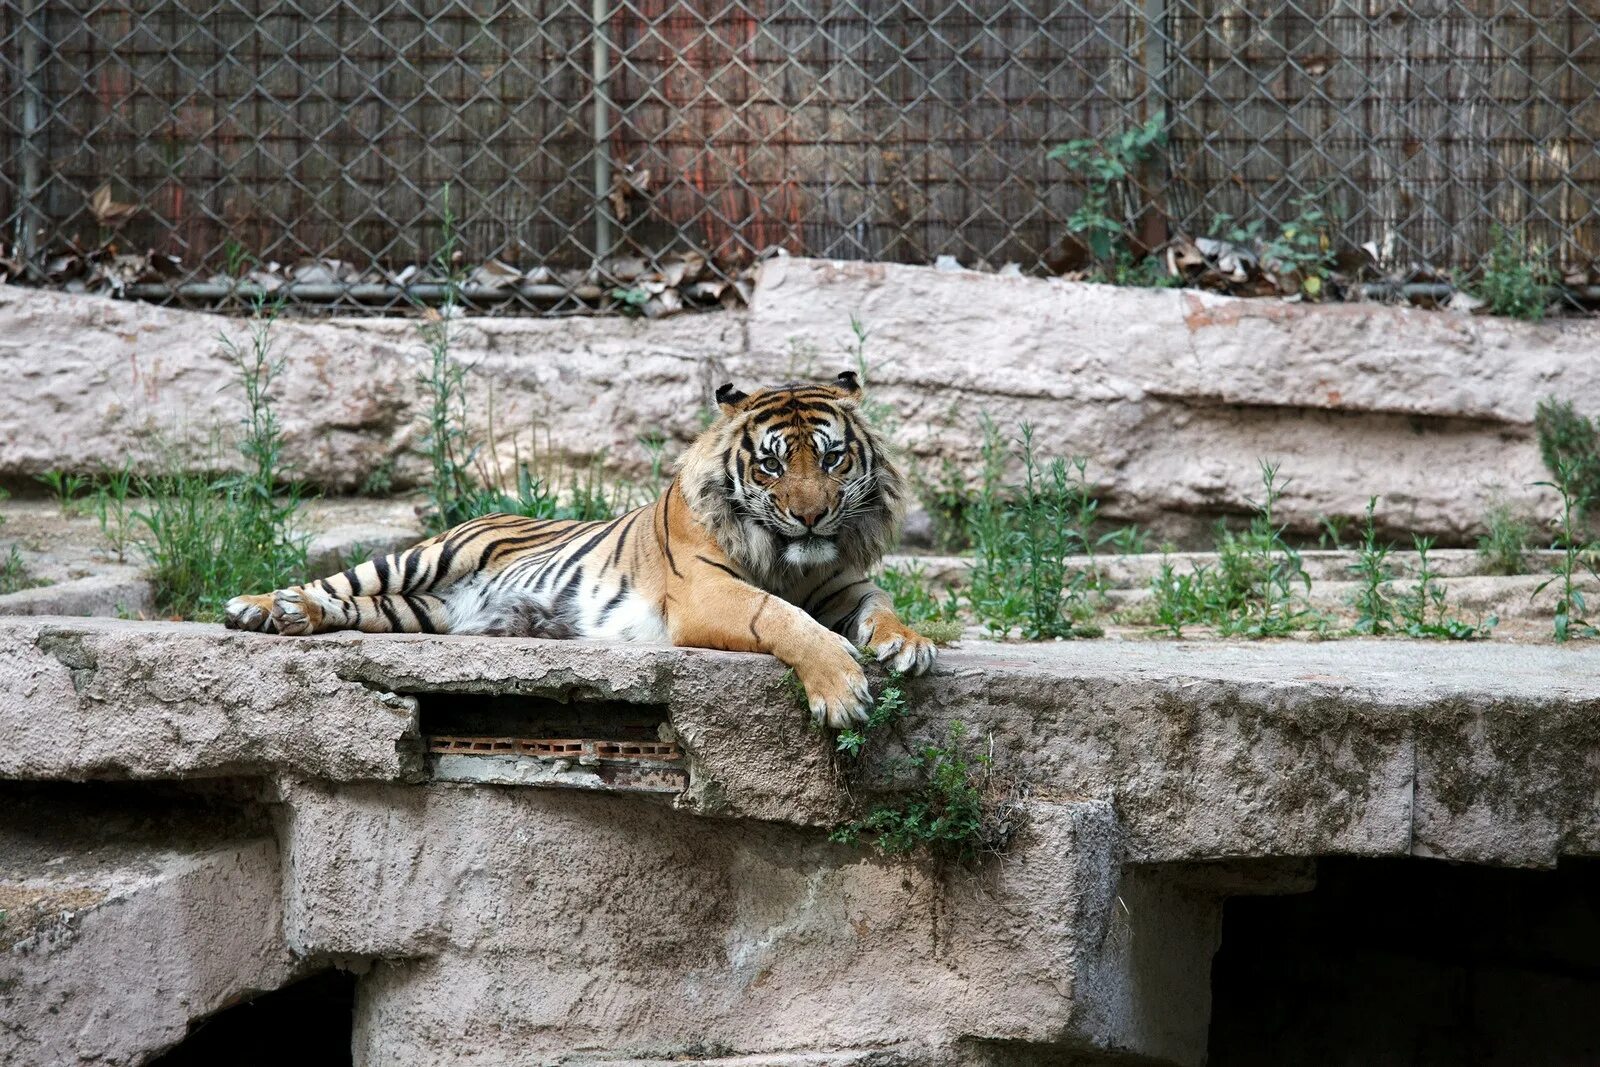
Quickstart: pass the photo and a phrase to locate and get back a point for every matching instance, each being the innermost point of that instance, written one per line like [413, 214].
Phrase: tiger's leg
[385, 595]
[724, 612]
[851, 604]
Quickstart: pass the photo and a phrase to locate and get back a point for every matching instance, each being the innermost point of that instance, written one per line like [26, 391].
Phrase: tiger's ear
[729, 398]
[848, 385]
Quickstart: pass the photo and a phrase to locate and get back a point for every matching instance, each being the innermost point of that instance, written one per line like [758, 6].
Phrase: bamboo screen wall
[570, 140]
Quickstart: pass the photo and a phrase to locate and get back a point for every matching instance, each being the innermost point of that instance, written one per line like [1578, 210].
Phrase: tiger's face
[804, 475]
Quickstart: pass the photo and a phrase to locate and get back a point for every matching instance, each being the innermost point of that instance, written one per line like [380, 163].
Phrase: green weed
[211, 538]
[1518, 279]
[1021, 538]
[14, 574]
[1374, 598]
[380, 480]
[945, 817]
[1299, 249]
[946, 500]
[879, 415]
[913, 601]
[65, 486]
[1423, 611]
[630, 301]
[1107, 167]
[1504, 547]
[1330, 531]
[1254, 589]
[890, 707]
[1569, 444]
[1571, 610]
[109, 503]
[451, 491]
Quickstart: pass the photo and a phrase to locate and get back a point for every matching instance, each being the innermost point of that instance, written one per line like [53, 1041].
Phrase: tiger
[763, 541]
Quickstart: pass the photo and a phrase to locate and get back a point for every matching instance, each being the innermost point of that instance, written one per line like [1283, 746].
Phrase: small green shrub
[1300, 248]
[1570, 616]
[888, 709]
[1254, 589]
[109, 503]
[1374, 596]
[66, 487]
[14, 573]
[1518, 279]
[1424, 611]
[1508, 538]
[1021, 538]
[944, 818]
[914, 602]
[212, 538]
[380, 480]
[1570, 447]
[1330, 531]
[1106, 214]
[946, 501]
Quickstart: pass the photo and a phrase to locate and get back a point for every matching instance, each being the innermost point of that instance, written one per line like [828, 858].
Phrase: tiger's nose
[810, 518]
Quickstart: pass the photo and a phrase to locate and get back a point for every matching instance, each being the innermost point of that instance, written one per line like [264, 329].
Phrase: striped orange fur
[763, 542]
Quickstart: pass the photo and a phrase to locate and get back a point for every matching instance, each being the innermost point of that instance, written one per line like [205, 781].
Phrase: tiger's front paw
[836, 687]
[897, 645]
[295, 613]
[250, 613]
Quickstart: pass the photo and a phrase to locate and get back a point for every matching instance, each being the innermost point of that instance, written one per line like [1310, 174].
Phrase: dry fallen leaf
[108, 212]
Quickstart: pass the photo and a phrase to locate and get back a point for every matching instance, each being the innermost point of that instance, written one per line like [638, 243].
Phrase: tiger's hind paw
[250, 613]
[294, 613]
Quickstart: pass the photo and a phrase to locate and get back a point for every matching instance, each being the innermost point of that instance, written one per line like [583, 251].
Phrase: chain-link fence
[644, 152]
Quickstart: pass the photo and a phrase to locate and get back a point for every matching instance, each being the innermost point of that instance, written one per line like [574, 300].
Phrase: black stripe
[850, 620]
[424, 623]
[725, 570]
[615, 602]
[753, 634]
[584, 549]
[498, 544]
[666, 529]
[388, 613]
[381, 565]
[413, 558]
[836, 594]
[622, 538]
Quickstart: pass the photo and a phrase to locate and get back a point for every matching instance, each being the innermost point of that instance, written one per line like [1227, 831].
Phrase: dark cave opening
[1412, 963]
[309, 1024]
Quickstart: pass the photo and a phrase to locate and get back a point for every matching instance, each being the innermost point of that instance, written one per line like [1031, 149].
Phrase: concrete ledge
[1472, 752]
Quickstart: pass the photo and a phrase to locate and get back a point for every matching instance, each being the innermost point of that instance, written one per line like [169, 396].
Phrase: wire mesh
[644, 153]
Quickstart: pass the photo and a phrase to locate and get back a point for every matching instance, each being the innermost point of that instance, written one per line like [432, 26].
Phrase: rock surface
[506, 925]
[125, 921]
[1173, 395]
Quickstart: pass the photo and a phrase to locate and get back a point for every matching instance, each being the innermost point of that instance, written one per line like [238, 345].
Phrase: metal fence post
[30, 214]
[601, 60]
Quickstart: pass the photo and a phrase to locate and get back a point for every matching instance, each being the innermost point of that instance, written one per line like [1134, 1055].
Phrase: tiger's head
[793, 478]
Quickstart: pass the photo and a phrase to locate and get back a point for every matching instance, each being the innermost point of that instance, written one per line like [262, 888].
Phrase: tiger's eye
[833, 459]
[771, 465]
